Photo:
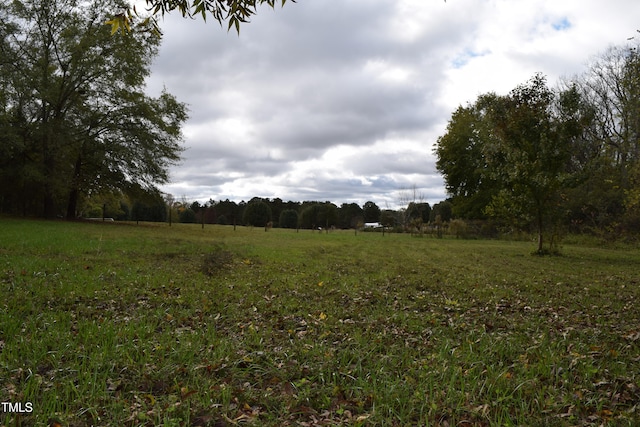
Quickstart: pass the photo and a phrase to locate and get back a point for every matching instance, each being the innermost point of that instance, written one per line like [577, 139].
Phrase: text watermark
[16, 408]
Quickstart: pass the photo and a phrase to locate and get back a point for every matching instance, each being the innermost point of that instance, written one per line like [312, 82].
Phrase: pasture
[150, 325]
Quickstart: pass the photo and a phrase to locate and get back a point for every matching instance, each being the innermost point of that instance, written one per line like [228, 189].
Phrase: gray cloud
[342, 100]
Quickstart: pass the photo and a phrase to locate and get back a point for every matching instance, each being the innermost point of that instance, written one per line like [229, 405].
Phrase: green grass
[124, 325]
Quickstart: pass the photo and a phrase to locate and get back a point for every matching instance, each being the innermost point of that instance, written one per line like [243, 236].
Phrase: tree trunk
[49, 204]
[540, 230]
[72, 204]
[74, 192]
[540, 241]
[48, 167]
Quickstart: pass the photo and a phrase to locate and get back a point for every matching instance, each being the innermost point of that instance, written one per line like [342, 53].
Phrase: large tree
[461, 160]
[316, 214]
[74, 112]
[514, 156]
[371, 212]
[288, 219]
[530, 155]
[612, 87]
[257, 213]
[350, 215]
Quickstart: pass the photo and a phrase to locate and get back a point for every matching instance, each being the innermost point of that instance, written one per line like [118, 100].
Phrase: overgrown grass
[124, 325]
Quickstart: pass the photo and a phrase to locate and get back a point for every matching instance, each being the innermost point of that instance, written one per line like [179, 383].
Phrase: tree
[518, 156]
[74, 113]
[593, 198]
[350, 215]
[461, 161]
[418, 212]
[410, 198]
[612, 84]
[442, 210]
[611, 87]
[388, 218]
[288, 219]
[528, 156]
[371, 212]
[308, 216]
[257, 213]
[632, 200]
[149, 206]
[318, 214]
[227, 211]
[327, 215]
[277, 206]
[234, 12]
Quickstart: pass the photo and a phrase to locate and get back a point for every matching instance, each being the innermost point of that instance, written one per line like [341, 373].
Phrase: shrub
[458, 228]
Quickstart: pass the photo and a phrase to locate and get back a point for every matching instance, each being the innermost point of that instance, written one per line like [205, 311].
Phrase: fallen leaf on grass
[248, 416]
[185, 392]
[150, 398]
[605, 413]
[113, 386]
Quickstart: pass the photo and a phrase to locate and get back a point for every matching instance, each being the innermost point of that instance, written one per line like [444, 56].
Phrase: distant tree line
[549, 160]
[259, 212]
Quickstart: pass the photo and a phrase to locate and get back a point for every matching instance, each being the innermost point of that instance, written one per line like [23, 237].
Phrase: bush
[458, 228]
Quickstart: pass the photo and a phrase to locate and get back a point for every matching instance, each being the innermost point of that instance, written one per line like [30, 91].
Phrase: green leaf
[200, 9]
[115, 25]
[233, 21]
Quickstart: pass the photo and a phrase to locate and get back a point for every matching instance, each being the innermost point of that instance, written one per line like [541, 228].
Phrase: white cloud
[342, 100]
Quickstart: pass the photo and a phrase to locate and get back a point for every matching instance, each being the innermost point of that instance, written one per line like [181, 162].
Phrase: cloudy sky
[342, 100]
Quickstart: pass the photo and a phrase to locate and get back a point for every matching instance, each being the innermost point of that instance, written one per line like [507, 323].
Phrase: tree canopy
[233, 12]
[460, 158]
[509, 156]
[551, 159]
[529, 155]
[74, 118]
[257, 213]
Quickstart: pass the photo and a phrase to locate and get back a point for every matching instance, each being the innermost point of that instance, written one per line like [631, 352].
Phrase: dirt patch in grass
[217, 260]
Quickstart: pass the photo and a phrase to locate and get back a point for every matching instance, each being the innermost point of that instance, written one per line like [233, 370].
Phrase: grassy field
[125, 325]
